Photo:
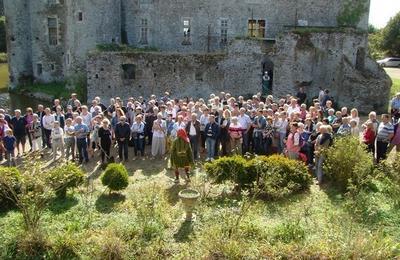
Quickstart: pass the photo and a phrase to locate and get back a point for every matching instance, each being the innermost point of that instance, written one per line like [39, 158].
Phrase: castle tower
[18, 29]
[88, 24]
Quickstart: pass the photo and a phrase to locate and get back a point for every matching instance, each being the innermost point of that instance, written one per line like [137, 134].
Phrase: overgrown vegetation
[114, 47]
[146, 222]
[352, 12]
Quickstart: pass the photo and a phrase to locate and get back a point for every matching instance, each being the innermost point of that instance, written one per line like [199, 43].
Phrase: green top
[181, 154]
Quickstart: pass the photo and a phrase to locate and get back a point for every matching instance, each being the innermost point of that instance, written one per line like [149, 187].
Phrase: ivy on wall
[352, 12]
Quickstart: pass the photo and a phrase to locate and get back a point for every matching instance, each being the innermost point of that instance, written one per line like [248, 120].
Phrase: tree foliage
[391, 36]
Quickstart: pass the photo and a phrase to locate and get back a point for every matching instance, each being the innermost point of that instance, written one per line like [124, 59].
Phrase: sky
[382, 10]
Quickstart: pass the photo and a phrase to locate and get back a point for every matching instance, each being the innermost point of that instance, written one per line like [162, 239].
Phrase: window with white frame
[52, 25]
[144, 30]
[187, 24]
[224, 30]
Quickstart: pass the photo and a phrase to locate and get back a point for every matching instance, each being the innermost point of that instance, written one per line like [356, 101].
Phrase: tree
[391, 36]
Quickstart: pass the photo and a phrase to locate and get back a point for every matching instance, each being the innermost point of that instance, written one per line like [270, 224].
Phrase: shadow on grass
[107, 202]
[172, 193]
[184, 232]
[60, 205]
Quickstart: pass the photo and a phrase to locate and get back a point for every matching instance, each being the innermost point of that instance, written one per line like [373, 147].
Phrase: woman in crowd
[105, 137]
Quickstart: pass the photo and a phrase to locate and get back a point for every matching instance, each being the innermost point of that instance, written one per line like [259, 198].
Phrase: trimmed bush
[11, 177]
[115, 177]
[348, 162]
[65, 177]
[229, 169]
[280, 176]
[276, 176]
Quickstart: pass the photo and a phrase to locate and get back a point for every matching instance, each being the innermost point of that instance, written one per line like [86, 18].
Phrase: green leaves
[115, 177]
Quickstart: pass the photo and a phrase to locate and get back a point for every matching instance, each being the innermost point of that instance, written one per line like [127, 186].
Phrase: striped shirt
[384, 131]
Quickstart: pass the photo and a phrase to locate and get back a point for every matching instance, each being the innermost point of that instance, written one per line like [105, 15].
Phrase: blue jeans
[81, 144]
[210, 142]
[138, 146]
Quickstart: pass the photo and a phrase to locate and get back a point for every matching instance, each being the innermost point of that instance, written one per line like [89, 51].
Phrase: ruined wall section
[18, 40]
[47, 58]
[337, 61]
[100, 23]
[192, 75]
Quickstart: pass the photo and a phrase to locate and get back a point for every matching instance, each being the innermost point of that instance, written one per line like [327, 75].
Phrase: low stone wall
[192, 75]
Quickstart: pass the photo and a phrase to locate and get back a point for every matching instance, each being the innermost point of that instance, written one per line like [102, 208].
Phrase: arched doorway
[267, 77]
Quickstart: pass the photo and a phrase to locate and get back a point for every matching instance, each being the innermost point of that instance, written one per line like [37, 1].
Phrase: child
[35, 131]
[69, 139]
[369, 136]
[9, 144]
[57, 136]
[355, 131]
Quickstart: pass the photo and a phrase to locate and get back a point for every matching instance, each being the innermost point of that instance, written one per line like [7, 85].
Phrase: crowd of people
[221, 125]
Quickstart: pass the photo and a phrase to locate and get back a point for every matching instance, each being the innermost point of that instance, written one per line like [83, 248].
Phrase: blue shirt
[9, 142]
[396, 103]
[81, 135]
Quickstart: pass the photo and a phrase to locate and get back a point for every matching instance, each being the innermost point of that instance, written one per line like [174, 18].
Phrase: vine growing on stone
[352, 12]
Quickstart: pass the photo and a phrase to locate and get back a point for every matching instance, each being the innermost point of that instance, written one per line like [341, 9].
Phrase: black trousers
[381, 150]
[123, 150]
[105, 149]
[47, 134]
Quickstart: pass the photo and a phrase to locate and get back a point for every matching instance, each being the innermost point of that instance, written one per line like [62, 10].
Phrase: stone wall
[337, 61]
[192, 75]
[165, 20]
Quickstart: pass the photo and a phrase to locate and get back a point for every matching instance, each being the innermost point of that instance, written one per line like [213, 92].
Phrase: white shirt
[292, 110]
[192, 130]
[68, 130]
[87, 119]
[48, 121]
[159, 133]
[244, 121]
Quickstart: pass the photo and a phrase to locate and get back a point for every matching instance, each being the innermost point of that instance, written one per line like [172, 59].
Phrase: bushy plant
[115, 177]
[233, 169]
[348, 161]
[10, 177]
[280, 176]
[64, 177]
[288, 232]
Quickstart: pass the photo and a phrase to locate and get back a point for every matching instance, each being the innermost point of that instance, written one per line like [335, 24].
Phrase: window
[53, 30]
[198, 76]
[186, 31]
[256, 28]
[224, 31]
[39, 69]
[129, 71]
[52, 67]
[80, 16]
[144, 32]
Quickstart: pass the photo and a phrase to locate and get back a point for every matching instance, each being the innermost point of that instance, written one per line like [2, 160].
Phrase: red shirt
[369, 136]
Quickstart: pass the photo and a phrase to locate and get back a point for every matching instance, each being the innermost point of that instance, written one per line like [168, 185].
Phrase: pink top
[293, 143]
[396, 138]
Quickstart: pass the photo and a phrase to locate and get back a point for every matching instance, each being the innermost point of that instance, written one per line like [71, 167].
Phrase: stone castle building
[197, 47]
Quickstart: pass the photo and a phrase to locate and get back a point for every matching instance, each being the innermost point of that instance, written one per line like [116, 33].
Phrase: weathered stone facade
[202, 44]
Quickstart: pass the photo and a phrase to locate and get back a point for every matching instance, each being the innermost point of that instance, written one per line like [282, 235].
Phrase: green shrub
[280, 176]
[12, 177]
[64, 177]
[228, 169]
[348, 161]
[115, 177]
[288, 232]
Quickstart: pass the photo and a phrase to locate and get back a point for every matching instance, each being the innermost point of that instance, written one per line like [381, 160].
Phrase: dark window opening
[224, 31]
[96, 76]
[52, 67]
[256, 28]
[129, 71]
[198, 76]
[80, 16]
[39, 69]
[12, 38]
[53, 30]
[360, 59]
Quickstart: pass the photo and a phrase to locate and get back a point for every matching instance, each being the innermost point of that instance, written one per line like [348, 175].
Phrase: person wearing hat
[181, 154]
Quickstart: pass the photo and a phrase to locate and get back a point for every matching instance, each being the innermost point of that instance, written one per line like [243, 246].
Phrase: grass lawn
[395, 87]
[145, 222]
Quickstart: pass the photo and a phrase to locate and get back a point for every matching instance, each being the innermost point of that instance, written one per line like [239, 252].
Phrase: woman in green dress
[181, 154]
